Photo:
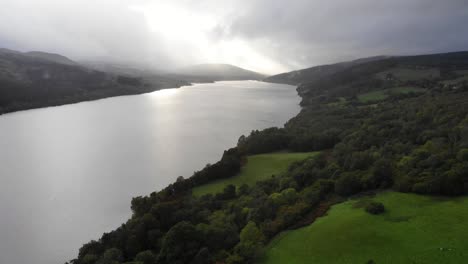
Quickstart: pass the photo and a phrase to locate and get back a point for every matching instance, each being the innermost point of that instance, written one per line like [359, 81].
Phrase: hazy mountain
[123, 68]
[53, 57]
[216, 72]
[194, 73]
[314, 73]
[37, 79]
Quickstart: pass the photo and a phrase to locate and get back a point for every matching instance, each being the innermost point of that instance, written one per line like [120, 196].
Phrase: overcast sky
[269, 36]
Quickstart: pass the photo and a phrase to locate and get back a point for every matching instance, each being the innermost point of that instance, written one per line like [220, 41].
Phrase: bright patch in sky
[183, 29]
[175, 22]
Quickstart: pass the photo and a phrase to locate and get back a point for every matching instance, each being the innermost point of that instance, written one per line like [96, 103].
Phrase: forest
[390, 123]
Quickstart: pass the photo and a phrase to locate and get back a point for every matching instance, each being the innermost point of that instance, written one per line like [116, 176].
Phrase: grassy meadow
[373, 96]
[411, 74]
[258, 167]
[414, 229]
[456, 80]
[384, 94]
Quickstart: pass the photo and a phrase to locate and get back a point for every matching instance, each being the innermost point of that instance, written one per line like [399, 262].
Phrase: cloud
[264, 35]
[309, 32]
[77, 28]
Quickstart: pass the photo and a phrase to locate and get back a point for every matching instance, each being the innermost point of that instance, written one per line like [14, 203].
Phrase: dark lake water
[68, 173]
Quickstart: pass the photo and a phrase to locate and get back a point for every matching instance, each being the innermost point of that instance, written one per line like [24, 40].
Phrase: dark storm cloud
[275, 34]
[314, 32]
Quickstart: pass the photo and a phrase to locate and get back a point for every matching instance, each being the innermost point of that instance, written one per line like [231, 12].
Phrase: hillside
[332, 83]
[38, 79]
[120, 68]
[398, 124]
[215, 72]
[150, 76]
[52, 57]
[317, 72]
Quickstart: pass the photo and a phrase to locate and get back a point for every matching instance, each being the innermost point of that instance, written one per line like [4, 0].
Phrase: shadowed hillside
[38, 79]
[317, 72]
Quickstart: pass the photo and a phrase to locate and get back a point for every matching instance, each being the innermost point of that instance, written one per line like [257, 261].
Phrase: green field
[405, 90]
[373, 96]
[340, 102]
[456, 80]
[384, 94]
[414, 229]
[258, 167]
[410, 74]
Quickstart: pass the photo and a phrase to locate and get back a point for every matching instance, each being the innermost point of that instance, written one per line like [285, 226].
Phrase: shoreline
[93, 97]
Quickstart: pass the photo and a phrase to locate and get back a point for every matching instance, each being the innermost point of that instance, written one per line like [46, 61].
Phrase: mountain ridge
[315, 73]
[53, 57]
[215, 72]
[311, 73]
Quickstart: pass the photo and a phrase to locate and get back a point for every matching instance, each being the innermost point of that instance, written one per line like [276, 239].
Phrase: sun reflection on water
[164, 93]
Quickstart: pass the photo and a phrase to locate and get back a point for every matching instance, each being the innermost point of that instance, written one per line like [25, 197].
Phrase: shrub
[146, 257]
[463, 155]
[375, 208]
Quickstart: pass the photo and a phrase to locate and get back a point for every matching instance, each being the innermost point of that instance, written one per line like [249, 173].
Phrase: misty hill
[53, 57]
[215, 72]
[314, 73]
[38, 79]
[149, 75]
[122, 68]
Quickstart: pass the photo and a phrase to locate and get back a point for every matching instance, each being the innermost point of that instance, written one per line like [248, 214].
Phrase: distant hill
[51, 57]
[123, 68]
[150, 76]
[39, 79]
[215, 72]
[314, 73]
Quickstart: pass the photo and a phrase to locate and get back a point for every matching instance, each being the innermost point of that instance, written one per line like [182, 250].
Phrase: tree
[287, 196]
[203, 257]
[111, 256]
[383, 173]
[133, 246]
[243, 189]
[229, 192]
[146, 257]
[463, 155]
[180, 245]
[92, 248]
[251, 234]
[375, 208]
[220, 232]
[348, 184]
[89, 259]
[251, 240]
